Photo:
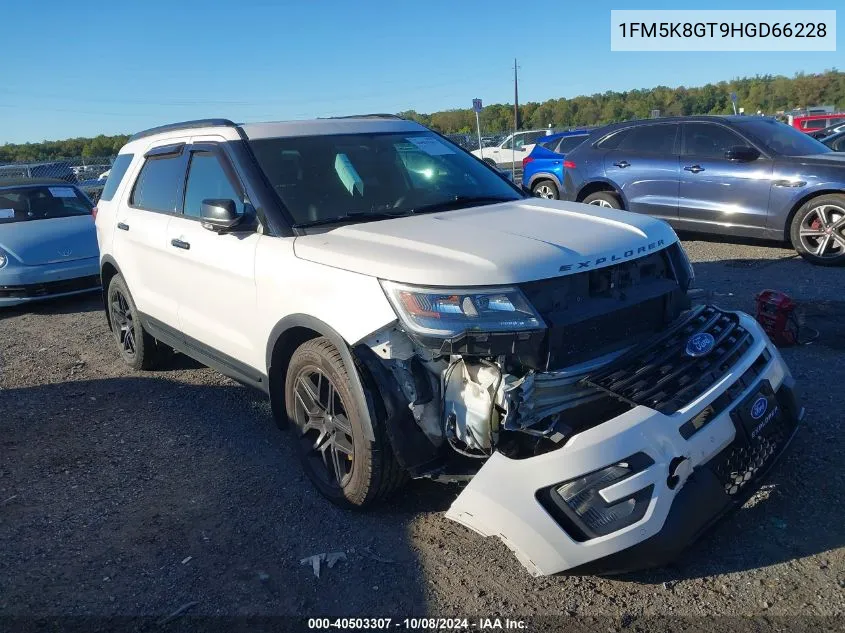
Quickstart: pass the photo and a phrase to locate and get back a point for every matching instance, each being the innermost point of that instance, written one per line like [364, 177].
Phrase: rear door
[140, 236]
[643, 163]
[718, 194]
[216, 271]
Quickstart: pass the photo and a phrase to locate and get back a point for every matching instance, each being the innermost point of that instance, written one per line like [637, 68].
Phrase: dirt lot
[137, 493]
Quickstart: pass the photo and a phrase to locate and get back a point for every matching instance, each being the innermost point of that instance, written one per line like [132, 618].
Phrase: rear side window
[116, 174]
[709, 141]
[568, 143]
[613, 141]
[650, 139]
[159, 183]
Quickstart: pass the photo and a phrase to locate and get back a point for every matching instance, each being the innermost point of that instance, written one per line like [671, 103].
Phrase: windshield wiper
[461, 202]
[352, 216]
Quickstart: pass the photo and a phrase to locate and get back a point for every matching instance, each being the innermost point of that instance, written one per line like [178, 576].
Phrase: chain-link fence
[88, 173]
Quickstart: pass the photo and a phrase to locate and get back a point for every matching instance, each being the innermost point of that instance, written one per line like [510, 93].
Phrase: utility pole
[515, 97]
[515, 119]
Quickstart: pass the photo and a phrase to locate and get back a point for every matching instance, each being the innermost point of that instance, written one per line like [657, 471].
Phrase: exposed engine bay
[522, 393]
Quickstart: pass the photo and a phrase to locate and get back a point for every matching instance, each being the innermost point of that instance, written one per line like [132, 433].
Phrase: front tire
[545, 189]
[606, 199]
[137, 348]
[343, 464]
[817, 231]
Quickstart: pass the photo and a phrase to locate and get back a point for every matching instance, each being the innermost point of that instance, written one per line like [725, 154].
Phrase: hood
[35, 242]
[505, 243]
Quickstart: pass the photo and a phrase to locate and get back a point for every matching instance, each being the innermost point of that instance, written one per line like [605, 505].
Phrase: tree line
[768, 94]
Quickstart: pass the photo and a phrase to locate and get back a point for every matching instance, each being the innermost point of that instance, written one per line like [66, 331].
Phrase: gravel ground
[125, 493]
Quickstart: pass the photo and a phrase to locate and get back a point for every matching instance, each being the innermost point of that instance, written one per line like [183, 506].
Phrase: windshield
[23, 204]
[782, 138]
[361, 177]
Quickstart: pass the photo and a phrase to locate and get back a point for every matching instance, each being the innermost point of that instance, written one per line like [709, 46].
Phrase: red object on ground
[776, 313]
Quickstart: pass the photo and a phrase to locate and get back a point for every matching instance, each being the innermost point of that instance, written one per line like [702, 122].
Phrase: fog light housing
[3, 259]
[583, 512]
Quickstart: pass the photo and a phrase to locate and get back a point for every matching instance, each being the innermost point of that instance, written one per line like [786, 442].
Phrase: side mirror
[742, 153]
[218, 214]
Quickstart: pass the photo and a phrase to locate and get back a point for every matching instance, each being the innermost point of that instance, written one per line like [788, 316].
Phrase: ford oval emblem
[758, 409]
[700, 344]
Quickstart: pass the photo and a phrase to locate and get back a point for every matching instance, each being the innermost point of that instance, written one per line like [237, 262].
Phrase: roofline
[375, 115]
[184, 125]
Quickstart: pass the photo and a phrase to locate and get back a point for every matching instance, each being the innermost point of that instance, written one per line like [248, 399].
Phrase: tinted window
[116, 174]
[783, 139]
[814, 124]
[708, 140]
[613, 141]
[158, 184]
[22, 204]
[320, 178]
[650, 139]
[568, 143]
[206, 179]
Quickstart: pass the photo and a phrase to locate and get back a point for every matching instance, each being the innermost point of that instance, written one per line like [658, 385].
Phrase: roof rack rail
[375, 115]
[184, 125]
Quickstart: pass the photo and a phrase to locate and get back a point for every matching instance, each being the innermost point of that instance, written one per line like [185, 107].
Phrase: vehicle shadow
[87, 302]
[137, 495]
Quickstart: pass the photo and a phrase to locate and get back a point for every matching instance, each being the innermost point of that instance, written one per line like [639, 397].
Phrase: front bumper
[721, 471]
[24, 284]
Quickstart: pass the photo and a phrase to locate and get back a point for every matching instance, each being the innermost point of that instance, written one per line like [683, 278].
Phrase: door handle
[180, 244]
[622, 163]
[123, 226]
[694, 168]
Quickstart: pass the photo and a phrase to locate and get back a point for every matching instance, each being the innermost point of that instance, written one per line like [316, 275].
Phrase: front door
[215, 270]
[717, 194]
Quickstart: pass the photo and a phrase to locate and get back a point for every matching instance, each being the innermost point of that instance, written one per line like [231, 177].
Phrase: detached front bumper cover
[685, 484]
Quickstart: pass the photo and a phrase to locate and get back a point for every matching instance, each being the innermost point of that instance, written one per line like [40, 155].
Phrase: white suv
[410, 312]
[510, 152]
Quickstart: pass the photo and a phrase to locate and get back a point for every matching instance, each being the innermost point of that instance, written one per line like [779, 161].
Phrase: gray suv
[745, 176]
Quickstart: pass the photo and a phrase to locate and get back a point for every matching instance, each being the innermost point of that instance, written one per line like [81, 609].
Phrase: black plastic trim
[311, 323]
[174, 149]
[413, 449]
[203, 353]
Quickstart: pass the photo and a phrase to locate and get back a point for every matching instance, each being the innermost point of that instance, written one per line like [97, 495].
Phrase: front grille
[662, 376]
[599, 311]
[49, 288]
[724, 400]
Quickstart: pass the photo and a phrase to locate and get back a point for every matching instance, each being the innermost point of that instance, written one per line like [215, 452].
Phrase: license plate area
[757, 416]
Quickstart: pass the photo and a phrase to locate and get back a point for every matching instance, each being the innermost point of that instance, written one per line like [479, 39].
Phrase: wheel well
[595, 187]
[108, 271]
[283, 350]
[786, 229]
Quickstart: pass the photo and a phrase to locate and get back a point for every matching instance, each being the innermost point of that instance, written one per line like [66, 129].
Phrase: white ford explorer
[410, 312]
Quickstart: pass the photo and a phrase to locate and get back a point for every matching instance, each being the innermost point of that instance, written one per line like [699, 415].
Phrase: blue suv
[542, 169]
[742, 175]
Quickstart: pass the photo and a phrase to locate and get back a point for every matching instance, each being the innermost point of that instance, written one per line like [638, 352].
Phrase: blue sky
[79, 69]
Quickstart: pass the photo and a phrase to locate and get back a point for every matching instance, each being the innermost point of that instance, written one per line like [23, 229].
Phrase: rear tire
[545, 189]
[606, 199]
[137, 348]
[817, 231]
[346, 467]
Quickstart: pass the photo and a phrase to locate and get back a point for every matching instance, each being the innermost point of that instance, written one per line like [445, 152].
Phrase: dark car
[828, 131]
[741, 175]
[836, 142]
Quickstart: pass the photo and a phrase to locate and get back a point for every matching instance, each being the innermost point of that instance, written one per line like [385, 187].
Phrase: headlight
[4, 259]
[581, 501]
[445, 313]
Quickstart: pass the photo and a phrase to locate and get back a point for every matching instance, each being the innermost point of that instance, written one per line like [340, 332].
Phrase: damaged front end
[571, 406]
